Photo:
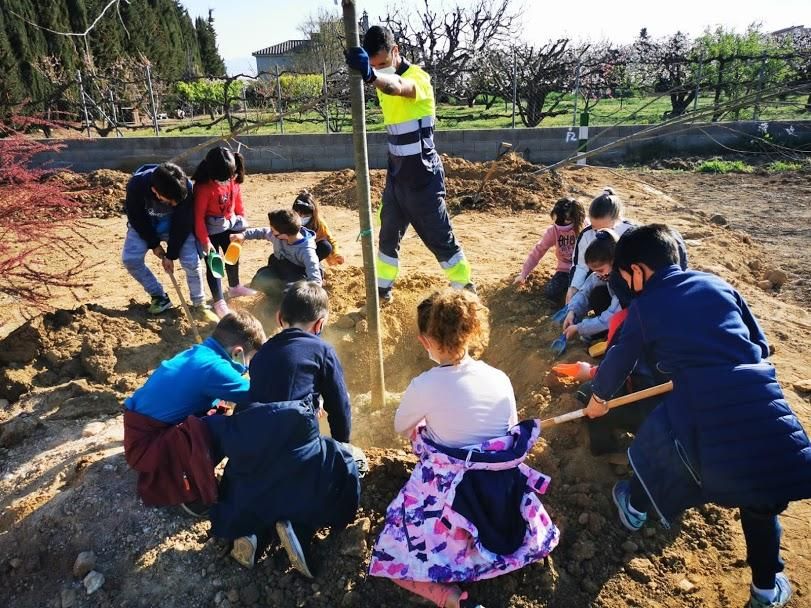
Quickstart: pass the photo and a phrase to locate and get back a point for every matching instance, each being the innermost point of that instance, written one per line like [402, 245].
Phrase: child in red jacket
[219, 213]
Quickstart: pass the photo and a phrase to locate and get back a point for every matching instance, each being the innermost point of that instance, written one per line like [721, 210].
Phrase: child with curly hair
[470, 510]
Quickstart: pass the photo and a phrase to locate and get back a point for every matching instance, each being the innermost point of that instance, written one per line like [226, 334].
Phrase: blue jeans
[133, 258]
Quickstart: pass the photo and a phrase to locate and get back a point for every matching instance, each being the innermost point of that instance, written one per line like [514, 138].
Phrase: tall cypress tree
[213, 65]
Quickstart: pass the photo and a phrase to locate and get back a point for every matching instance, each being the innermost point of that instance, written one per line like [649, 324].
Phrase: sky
[245, 26]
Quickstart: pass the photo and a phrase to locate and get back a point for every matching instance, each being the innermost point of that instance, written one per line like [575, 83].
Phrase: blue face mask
[239, 360]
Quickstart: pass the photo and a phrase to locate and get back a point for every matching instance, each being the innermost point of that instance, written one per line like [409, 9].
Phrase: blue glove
[358, 59]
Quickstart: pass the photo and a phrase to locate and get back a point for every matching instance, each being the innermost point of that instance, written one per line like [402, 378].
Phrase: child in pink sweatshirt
[569, 216]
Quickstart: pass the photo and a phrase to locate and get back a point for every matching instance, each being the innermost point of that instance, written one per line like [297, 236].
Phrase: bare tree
[544, 76]
[665, 65]
[449, 44]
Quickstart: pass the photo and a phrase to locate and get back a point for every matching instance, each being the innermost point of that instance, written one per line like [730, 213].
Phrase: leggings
[221, 241]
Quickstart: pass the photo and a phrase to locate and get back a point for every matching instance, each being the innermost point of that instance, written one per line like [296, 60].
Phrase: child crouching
[470, 510]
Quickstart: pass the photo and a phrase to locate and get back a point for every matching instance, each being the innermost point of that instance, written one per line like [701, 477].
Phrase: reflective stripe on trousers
[458, 270]
[387, 270]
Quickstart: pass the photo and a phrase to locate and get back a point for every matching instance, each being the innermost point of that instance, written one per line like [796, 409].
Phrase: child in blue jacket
[726, 433]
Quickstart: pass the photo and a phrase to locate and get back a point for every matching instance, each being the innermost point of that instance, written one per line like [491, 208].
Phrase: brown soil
[65, 488]
[101, 193]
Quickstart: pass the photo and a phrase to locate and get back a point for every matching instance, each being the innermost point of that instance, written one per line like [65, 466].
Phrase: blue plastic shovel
[560, 315]
[558, 346]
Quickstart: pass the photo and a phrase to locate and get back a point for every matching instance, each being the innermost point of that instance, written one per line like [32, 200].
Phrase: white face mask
[305, 219]
[387, 70]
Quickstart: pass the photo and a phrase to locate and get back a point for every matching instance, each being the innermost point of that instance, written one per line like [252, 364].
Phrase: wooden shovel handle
[659, 389]
[185, 307]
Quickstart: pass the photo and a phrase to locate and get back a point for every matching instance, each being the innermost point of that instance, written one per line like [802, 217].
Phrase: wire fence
[507, 91]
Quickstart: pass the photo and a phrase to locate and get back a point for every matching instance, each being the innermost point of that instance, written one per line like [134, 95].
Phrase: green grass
[724, 166]
[779, 166]
[634, 110]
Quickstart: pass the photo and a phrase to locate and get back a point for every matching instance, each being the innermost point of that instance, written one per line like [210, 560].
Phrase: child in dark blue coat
[297, 363]
[281, 472]
[726, 433]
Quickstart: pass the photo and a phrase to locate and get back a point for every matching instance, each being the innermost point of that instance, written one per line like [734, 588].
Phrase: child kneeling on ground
[470, 510]
[294, 256]
[281, 472]
[326, 247]
[164, 438]
[600, 257]
[725, 434]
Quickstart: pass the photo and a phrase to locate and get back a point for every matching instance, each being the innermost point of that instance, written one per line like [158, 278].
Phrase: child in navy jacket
[297, 363]
[725, 434]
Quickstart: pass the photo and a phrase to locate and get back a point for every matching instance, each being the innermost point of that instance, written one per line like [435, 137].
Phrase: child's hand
[210, 247]
[570, 332]
[320, 412]
[519, 280]
[568, 319]
[595, 408]
[237, 238]
[159, 252]
[338, 258]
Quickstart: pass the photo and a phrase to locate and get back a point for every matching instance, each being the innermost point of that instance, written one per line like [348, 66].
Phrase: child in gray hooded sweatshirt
[294, 257]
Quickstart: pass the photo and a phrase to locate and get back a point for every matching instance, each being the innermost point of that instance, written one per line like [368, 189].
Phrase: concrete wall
[270, 153]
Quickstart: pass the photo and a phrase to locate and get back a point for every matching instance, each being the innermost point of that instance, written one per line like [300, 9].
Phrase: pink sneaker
[240, 290]
[221, 308]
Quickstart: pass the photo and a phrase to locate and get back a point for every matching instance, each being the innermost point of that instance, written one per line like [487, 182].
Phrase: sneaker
[244, 550]
[240, 290]
[385, 297]
[221, 309]
[293, 548]
[471, 288]
[782, 598]
[195, 509]
[202, 312]
[622, 498]
[159, 304]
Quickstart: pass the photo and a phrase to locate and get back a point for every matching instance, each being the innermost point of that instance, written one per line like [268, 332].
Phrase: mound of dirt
[101, 193]
[511, 186]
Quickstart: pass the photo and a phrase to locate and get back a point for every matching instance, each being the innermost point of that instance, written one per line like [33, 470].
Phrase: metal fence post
[152, 101]
[279, 92]
[698, 81]
[84, 102]
[515, 85]
[756, 112]
[326, 97]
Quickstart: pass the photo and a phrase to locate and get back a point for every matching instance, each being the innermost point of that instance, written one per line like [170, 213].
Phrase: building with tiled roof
[281, 56]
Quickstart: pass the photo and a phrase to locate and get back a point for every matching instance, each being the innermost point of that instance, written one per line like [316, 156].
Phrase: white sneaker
[292, 547]
[244, 550]
[221, 308]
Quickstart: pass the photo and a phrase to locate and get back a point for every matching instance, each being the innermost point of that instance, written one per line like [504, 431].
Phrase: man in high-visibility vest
[415, 183]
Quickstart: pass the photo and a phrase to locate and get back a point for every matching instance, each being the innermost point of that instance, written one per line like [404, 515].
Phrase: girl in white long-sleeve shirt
[463, 401]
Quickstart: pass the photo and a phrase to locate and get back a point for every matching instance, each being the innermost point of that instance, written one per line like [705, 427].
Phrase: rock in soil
[641, 570]
[85, 562]
[93, 581]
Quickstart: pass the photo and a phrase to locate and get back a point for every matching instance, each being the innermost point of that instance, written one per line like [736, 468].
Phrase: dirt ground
[65, 487]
